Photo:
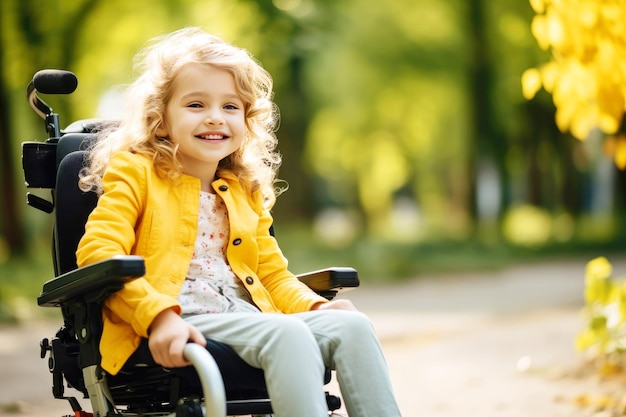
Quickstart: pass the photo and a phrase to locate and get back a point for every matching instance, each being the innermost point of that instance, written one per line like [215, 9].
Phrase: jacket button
[249, 280]
[223, 187]
[237, 242]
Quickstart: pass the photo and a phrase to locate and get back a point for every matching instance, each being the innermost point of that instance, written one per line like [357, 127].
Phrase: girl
[186, 181]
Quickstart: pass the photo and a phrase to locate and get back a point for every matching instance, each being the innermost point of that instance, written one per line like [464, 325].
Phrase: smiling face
[205, 117]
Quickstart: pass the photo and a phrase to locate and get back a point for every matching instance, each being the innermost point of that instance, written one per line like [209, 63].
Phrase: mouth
[212, 137]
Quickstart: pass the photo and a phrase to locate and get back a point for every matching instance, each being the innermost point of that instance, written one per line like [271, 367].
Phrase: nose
[214, 117]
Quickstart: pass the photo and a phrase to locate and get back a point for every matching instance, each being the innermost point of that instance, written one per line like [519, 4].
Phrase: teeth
[212, 137]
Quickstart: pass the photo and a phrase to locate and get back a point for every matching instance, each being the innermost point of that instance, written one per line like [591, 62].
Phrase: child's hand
[335, 305]
[169, 334]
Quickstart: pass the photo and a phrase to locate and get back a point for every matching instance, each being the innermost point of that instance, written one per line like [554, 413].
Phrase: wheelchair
[218, 384]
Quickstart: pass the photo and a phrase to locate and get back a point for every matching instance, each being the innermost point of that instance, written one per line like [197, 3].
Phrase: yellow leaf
[608, 123]
[598, 268]
[615, 147]
[620, 153]
[539, 6]
[539, 29]
[588, 13]
[554, 29]
[582, 124]
[564, 114]
[549, 75]
[531, 83]
[610, 107]
[584, 340]
[608, 368]
[582, 400]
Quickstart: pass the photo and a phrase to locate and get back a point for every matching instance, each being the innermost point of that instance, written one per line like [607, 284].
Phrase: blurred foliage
[604, 336]
[587, 73]
[404, 128]
[586, 43]
[586, 76]
[21, 280]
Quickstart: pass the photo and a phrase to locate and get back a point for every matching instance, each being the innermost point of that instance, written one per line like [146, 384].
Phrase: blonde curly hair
[255, 163]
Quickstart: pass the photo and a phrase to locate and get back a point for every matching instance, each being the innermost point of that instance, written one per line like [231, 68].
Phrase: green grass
[383, 261]
[21, 278]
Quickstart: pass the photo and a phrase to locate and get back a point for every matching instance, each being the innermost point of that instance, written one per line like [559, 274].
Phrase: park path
[493, 344]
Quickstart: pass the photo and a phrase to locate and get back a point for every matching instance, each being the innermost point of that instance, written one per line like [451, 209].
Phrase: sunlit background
[408, 145]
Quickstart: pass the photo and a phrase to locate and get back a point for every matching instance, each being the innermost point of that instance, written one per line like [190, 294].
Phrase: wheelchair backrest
[56, 167]
[73, 206]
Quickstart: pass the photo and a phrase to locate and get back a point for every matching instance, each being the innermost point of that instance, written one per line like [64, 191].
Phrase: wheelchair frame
[73, 354]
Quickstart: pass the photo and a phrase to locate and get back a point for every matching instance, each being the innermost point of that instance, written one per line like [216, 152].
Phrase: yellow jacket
[141, 213]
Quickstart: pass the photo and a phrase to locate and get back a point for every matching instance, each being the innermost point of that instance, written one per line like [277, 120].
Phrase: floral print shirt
[210, 285]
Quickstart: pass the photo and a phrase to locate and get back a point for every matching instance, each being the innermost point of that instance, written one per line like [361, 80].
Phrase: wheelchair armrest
[329, 282]
[109, 275]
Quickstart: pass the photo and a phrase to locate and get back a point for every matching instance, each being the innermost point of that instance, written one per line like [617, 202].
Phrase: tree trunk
[11, 223]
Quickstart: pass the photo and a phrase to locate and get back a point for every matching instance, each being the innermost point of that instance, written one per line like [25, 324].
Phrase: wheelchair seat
[142, 387]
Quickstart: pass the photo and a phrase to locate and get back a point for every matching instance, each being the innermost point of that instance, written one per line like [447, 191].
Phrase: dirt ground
[497, 344]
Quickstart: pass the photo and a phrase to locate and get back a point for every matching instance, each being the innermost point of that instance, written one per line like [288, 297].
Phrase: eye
[231, 107]
[195, 105]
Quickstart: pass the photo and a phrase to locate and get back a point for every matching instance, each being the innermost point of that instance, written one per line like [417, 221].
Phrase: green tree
[36, 35]
[392, 119]
[29, 33]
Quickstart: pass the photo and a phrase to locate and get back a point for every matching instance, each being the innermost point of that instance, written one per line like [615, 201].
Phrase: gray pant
[293, 351]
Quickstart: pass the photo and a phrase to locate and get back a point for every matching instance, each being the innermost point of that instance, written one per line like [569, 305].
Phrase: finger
[196, 336]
